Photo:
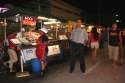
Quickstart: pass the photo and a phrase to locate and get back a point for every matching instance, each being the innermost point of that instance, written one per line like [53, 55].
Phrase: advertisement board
[28, 20]
[53, 50]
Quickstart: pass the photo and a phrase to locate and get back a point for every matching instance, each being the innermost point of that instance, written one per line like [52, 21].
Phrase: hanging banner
[28, 20]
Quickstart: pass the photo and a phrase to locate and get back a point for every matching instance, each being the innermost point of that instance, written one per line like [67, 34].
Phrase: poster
[28, 54]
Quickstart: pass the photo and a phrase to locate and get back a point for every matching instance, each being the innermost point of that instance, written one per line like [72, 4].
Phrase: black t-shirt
[114, 37]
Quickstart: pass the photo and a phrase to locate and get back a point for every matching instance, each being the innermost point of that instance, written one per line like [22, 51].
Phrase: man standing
[79, 37]
[114, 40]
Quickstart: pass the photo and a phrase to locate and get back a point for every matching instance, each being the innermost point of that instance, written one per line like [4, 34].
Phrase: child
[41, 51]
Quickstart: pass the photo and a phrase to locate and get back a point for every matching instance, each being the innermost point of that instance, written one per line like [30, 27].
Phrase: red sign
[27, 20]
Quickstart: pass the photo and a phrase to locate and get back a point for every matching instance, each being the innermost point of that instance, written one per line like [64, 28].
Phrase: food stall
[27, 43]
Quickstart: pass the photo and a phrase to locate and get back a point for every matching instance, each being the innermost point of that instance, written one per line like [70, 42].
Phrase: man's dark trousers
[77, 51]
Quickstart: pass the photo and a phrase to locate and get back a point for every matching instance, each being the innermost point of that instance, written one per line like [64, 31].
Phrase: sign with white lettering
[28, 20]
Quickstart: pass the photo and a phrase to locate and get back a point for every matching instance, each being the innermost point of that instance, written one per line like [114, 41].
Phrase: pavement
[101, 72]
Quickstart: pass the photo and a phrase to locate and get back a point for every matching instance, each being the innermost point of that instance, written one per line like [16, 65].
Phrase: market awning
[8, 13]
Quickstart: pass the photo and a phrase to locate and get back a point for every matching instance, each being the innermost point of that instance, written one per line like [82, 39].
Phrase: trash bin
[36, 66]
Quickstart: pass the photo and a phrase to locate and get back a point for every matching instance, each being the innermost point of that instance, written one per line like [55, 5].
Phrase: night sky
[107, 8]
[93, 8]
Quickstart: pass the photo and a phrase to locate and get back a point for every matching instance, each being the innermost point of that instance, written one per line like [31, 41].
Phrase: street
[101, 72]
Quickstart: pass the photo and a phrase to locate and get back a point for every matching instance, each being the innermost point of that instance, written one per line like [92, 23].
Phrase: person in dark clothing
[114, 40]
[103, 43]
[102, 40]
[122, 35]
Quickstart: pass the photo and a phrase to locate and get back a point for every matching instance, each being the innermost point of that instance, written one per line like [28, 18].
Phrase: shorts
[113, 52]
[12, 55]
[95, 45]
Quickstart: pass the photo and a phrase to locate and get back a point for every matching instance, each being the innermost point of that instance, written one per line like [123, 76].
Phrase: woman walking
[94, 43]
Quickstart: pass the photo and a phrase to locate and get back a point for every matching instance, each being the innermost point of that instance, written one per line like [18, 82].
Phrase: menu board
[53, 50]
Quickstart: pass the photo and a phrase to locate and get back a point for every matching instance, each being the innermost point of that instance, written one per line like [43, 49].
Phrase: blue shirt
[79, 35]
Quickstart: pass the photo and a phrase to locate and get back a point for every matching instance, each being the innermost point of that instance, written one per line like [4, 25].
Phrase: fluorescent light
[52, 22]
[51, 19]
[42, 18]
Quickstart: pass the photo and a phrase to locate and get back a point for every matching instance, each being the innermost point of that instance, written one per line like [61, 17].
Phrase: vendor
[11, 52]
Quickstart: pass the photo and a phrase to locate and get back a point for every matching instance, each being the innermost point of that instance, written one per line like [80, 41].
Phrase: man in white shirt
[79, 37]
